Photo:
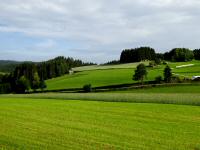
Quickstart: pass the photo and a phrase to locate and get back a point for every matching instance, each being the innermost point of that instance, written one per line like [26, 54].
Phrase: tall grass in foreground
[161, 98]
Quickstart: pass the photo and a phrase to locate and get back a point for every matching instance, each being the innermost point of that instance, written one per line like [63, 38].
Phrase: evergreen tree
[36, 81]
[167, 74]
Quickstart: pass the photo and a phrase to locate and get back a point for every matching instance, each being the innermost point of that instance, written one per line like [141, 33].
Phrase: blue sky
[95, 30]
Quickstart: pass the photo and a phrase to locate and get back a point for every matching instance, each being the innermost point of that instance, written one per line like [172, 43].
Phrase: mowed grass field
[41, 123]
[116, 74]
[103, 67]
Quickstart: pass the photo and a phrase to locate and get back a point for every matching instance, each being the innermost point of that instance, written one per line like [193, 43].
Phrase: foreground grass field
[28, 123]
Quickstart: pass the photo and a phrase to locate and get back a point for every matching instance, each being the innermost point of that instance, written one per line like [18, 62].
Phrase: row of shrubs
[174, 79]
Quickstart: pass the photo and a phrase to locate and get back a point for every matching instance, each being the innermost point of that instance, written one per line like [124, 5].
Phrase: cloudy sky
[95, 30]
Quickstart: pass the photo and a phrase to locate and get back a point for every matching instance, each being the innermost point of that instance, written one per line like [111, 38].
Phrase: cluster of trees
[31, 75]
[113, 62]
[196, 54]
[147, 53]
[179, 55]
[137, 54]
[58, 67]
[141, 73]
[5, 86]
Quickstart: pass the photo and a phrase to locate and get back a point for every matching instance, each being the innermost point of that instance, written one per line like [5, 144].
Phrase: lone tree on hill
[140, 73]
[167, 74]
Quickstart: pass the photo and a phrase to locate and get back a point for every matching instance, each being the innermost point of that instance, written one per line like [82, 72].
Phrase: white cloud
[103, 24]
[48, 44]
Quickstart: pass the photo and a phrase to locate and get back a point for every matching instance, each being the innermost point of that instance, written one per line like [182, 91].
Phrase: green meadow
[103, 67]
[116, 74]
[102, 77]
[156, 118]
[29, 123]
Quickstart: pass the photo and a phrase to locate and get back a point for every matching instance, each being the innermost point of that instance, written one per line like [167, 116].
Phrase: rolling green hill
[116, 74]
[97, 78]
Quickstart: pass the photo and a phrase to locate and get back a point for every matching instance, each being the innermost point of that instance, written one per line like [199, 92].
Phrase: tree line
[148, 53]
[137, 55]
[31, 75]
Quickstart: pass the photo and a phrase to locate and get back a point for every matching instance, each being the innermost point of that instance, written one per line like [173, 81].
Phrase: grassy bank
[160, 98]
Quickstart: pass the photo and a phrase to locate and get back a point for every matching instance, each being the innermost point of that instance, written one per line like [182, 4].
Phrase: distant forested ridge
[7, 66]
[30, 75]
[137, 55]
[113, 62]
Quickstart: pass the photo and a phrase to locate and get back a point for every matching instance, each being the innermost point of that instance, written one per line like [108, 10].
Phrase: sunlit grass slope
[97, 78]
[102, 67]
[116, 74]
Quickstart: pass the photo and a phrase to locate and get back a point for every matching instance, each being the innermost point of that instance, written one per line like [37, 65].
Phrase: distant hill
[7, 66]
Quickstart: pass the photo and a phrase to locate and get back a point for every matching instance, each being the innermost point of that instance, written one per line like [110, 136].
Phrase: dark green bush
[87, 88]
[5, 88]
[176, 79]
[165, 63]
[158, 79]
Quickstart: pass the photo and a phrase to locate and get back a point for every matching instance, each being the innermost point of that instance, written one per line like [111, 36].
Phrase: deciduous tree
[140, 73]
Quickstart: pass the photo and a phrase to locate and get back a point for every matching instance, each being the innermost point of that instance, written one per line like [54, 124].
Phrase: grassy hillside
[116, 74]
[59, 124]
[98, 78]
[186, 71]
[102, 67]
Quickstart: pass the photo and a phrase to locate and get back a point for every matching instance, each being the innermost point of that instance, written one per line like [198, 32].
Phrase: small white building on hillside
[195, 77]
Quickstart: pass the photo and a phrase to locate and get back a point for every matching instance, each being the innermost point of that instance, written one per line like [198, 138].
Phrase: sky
[95, 30]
